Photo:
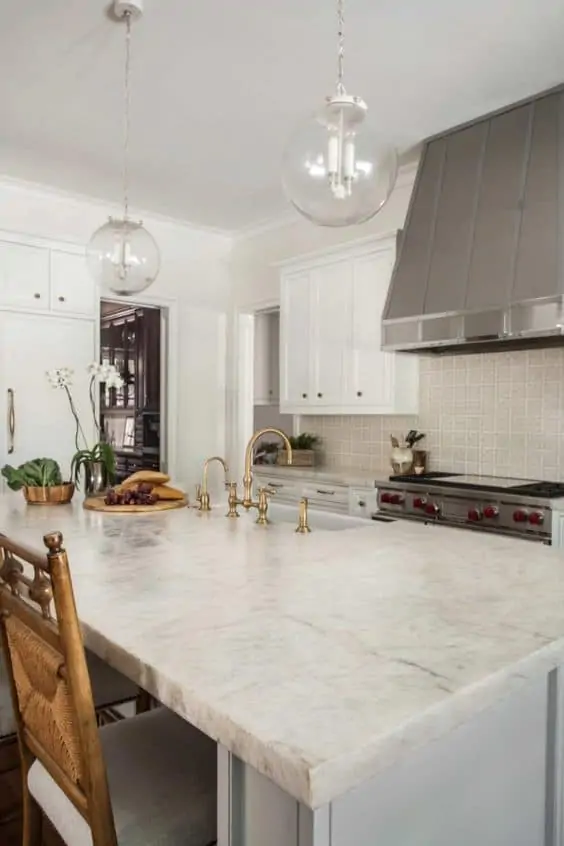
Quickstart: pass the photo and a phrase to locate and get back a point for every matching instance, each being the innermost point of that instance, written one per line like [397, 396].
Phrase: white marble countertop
[349, 477]
[318, 659]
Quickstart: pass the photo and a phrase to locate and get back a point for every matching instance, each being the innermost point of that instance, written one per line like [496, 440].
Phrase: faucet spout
[247, 501]
[204, 497]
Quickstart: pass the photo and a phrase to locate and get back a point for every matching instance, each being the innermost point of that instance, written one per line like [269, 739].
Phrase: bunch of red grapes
[141, 495]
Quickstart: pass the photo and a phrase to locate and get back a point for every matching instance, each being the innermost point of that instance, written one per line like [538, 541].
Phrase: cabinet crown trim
[362, 246]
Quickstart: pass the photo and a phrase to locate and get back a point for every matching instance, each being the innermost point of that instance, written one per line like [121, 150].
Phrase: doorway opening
[133, 417]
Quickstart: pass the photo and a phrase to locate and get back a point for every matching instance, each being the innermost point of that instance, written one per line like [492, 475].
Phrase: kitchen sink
[318, 519]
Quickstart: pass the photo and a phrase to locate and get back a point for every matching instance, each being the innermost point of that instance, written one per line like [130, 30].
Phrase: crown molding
[43, 190]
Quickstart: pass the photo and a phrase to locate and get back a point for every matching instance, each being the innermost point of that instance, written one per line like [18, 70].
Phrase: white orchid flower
[94, 369]
[114, 380]
[60, 378]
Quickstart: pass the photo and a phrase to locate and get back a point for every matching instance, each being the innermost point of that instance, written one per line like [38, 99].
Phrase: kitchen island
[379, 686]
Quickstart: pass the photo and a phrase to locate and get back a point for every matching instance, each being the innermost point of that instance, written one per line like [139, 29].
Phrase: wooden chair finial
[54, 542]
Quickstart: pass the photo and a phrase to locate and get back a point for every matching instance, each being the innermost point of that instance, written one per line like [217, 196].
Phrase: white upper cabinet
[50, 279]
[331, 331]
[331, 357]
[24, 276]
[267, 358]
[295, 342]
[73, 290]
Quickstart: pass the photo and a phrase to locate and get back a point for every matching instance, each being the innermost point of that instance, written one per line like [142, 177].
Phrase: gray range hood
[481, 261]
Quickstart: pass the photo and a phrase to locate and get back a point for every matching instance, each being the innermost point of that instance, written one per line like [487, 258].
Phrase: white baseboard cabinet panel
[494, 781]
[484, 784]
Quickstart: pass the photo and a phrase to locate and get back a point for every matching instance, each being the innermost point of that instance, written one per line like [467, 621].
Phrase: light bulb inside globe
[334, 170]
[123, 257]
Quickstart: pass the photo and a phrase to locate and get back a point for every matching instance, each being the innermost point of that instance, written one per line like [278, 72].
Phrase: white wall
[194, 277]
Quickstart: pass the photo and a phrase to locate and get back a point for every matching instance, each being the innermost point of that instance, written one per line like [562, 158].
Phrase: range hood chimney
[481, 261]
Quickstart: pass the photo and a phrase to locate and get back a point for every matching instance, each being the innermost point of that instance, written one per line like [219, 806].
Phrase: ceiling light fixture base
[128, 7]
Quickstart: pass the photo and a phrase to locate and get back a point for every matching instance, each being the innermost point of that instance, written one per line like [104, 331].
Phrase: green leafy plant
[38, 473]
[304, 441]
[101, 452]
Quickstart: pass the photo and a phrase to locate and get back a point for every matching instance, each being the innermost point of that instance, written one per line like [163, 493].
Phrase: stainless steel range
[517, 507]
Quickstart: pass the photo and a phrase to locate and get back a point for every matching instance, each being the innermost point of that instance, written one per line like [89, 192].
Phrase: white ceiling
[219, 84]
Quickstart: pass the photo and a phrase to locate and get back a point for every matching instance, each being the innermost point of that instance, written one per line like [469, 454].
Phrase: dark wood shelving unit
[130, 339]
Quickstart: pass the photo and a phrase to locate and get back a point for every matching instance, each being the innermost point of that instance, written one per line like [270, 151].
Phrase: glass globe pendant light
[122, 256]
[335, 171]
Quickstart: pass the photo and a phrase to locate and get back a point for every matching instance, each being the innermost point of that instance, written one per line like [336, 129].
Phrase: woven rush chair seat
[148, 779]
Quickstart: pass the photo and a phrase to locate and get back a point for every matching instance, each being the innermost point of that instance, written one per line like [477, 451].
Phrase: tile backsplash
[495, 413]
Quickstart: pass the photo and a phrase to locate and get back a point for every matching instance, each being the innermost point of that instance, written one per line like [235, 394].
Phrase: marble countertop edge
[317, 785]
[334, 778]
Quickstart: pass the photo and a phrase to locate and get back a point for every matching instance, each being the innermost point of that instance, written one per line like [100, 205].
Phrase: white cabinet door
[261, 359]
[44, 426]
[295, 341]
[330, 303]
[370, 371]
[274, 357]
[73, 290]
[24, 276]
[267, 358]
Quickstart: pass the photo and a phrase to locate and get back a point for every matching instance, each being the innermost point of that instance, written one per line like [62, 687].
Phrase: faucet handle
[267, 491]
[232, 500]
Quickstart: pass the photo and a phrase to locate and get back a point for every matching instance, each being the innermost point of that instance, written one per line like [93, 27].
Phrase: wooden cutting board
[96, 503]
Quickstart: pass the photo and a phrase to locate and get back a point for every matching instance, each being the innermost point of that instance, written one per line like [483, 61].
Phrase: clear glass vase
[95, 478]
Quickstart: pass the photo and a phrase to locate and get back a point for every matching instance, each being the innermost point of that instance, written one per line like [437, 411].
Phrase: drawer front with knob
[363, 502]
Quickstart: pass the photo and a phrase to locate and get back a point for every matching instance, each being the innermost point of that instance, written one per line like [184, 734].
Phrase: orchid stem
[79, 429]
[93, 405]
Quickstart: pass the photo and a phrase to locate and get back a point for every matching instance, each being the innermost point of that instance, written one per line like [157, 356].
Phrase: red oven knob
[386, 497]
[490, 511]
[520, 516]
[396, 499]
[536, 518]
[419, 502]
[432, 508]
[474, 515]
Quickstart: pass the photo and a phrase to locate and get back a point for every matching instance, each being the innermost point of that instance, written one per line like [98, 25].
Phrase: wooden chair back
[51, 691]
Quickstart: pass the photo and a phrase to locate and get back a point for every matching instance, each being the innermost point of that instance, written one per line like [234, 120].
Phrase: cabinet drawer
[285, 491]
[332, 497]
[363, 502]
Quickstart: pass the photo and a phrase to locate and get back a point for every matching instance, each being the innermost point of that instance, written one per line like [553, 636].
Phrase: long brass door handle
[11, 420]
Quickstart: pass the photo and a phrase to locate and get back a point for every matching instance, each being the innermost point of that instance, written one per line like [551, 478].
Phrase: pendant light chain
[126, 126]
[341, 41]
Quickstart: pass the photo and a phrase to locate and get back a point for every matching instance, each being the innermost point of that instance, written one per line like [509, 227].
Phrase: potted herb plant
[303, 450]
[96, 461]
[40, 480]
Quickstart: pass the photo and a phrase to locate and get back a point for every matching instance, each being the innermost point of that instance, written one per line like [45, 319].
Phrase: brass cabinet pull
[11, 420]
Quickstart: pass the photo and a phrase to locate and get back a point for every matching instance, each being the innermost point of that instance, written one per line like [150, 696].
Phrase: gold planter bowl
[54, 495]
